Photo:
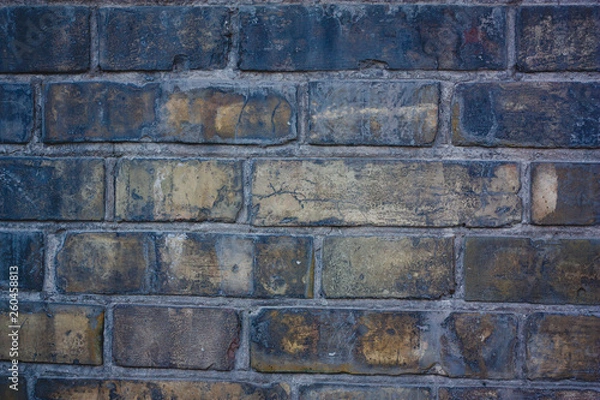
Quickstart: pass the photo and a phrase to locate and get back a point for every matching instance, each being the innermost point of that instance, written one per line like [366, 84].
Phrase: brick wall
[301, 201]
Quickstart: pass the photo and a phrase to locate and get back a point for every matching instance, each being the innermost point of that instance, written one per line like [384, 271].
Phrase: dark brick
[558, 38]
[563, 347]
[565, 194]
[332, 37]
[60, 389]
[51, 189]
[527, 114]
[55, 333]
[375, 113]
[355, 392]
[24, 250]
[556, 271]
[6, 382]
[387, 267]
[44, 39]
[162, 38]
[479, 345]
[369, 192]
[516, 394]
[174, 337]
[16, 112]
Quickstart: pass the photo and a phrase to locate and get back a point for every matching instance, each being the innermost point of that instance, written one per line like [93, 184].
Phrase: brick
[370, 192]
[557, 271]
[169, 190]
[56, 333]
[104, 263]
[558, 38]
[565, 194]
[6, 393]
[16, 112]
[58, 389]
[25, 250]
[162, 38]
[175, 337]
[527, 114]
[387, 267]
[44, 39]
[338, 37]
[234, 265]
[52, 189]
[355, 392]
[479, 345]
[563, 347]
[515, 394]
[374, 113]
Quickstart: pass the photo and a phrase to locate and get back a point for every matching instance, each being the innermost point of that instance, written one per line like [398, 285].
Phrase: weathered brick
[51, 189]
[59, 389]
[6, 393]
[16, 112]
[56, 333]
[479, 345]
[234, 265]
[565, 194]
[332, 37]
[160, 38]
[400, 267]
[374, 192]
[168, 190]
[355, 392]
[558, 38]
[44, 39]
[105, 263]
[515, 394]
[563, 347]
[175, 337]
[25, 250]
[375, 113]
[527, 114]
[557, 271]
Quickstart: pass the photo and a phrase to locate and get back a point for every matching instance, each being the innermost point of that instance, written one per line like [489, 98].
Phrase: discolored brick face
[387, 267]
[333, 392]
[16, 113]
[6, 392]
[25, 250]
[510, 394]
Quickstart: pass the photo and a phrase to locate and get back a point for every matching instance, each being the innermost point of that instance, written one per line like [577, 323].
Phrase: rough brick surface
[527, 114]
[51, 189]
[25, 250]
[175, 337]
[16, 113]
[558, 38]
[515, 394]
[367, 192]
[376, 113]
[332, 392]
[565, 194]
[505, 269]
[56, 333]
[168, 190]
[44, 39]
[59, 389]
[563, 347]
[160, 38]
[400, 267]
[332, 37]
[7, 393]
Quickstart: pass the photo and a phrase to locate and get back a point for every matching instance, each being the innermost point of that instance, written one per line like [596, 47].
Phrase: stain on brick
[177, 190]
[175, 337]
[355, 392]
[6, 388]
[44, 39]
[557, 271]
[56, 333]
[16, 112]
[338, 37]
[51, 189]
[558, 38]
[385, 193]
[161, 38]
[386, 267]
[563, 347]
[376, 113]
[565, 194]
[25, 250]
[527, 114]
[514, 394]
